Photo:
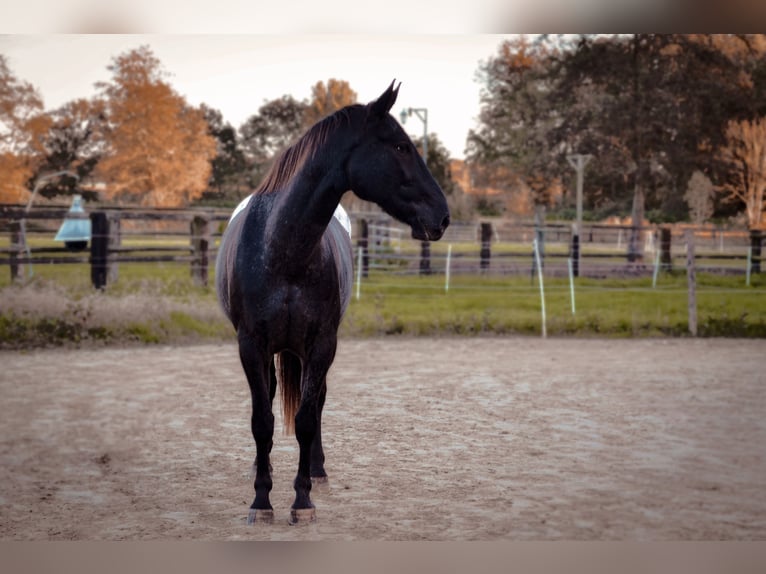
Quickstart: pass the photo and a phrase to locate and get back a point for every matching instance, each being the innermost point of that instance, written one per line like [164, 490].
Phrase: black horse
[284, 271]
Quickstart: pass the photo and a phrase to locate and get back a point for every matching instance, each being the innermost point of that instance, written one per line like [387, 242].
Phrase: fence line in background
[382, 246]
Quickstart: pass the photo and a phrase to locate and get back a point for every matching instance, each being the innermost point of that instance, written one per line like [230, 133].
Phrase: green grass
[620, 307]
[153, 303]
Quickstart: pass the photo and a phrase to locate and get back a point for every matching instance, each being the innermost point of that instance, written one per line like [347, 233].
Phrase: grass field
[158, 303]
[614, 307]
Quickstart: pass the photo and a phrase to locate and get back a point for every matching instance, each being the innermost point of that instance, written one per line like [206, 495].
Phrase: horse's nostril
[445, 223]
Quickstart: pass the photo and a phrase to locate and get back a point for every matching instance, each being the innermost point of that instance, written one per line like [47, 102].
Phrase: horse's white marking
[340, 213]
[242, 205]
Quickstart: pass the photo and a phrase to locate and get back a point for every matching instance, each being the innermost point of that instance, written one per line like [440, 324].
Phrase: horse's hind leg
[318, 474]
[272, 394]
[307, 423]
[256, 365]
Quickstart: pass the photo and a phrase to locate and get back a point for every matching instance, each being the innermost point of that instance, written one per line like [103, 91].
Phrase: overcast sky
[236, 74]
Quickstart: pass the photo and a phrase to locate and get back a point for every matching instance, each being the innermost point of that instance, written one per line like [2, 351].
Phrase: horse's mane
[292, 159]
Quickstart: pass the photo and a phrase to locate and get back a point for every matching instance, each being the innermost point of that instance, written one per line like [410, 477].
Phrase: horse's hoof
[263, 515]
[302, 516]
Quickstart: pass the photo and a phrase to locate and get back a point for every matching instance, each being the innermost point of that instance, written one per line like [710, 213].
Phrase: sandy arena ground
[437, 439]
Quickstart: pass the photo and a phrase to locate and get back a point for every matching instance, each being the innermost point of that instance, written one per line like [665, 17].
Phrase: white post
[446, 272]
[542, 291]
[571, 284]
[656, 268]
[359, 274]
[691, 277]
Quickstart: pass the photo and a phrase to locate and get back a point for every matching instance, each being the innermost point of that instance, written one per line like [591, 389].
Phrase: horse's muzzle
[424, 232]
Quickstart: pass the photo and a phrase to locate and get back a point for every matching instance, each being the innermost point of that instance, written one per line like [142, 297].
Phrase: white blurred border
[380, 17]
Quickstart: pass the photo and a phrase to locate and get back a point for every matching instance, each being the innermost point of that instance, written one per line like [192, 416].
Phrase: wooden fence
[598, 242]
[106, 250]
[378, 237]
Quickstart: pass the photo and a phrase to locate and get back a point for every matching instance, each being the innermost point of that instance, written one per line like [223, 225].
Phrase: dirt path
[439, 439]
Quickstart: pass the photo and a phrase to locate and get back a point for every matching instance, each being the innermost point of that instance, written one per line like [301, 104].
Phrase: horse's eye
[401, 147]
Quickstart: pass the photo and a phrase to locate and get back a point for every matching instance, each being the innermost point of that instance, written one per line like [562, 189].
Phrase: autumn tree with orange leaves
[158, 149]
[23, 124]
[328, 98]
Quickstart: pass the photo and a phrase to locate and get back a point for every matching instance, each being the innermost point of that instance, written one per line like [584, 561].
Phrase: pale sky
[236, 74]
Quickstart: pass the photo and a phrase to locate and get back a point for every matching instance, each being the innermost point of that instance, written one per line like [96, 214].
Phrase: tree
[438, 162]
[22, 125]
[699, 197]
[158, 149]
[745, 156]
[73, 143]
[516, 117]
[327, 99]
[278, 124]
[655, 106]
[228, 166]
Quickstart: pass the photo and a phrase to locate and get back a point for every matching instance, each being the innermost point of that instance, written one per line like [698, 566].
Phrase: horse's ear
[385, 102]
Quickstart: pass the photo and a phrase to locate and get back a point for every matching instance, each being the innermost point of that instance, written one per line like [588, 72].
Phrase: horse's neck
[302, 212]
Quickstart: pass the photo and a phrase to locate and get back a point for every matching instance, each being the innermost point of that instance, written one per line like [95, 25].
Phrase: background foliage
[651, 109]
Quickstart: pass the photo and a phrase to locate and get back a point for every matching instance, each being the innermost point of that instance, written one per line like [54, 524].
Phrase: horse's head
[386, 168]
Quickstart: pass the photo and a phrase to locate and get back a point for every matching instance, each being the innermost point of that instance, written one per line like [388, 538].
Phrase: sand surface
[435, 439]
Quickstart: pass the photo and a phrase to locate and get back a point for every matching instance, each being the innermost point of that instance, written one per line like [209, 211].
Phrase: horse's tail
[288, 370]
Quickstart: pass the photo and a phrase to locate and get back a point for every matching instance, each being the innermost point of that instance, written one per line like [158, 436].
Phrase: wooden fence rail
[110, 226]
[106, 249]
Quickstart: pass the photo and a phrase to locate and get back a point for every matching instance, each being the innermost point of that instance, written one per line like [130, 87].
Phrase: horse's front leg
[255, 362]
[307, 425]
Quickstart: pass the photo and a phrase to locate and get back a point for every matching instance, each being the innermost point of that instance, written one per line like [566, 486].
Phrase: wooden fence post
[99, 249]
[114, 240]
[200, 241]
[486, 242]
[362, 243]
[756, 238]
[691, 278]
[575, 251]
[16, 248]
[425, 258]
[665, 244]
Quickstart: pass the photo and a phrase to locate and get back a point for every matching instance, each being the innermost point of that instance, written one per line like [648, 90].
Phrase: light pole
[425, 246]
